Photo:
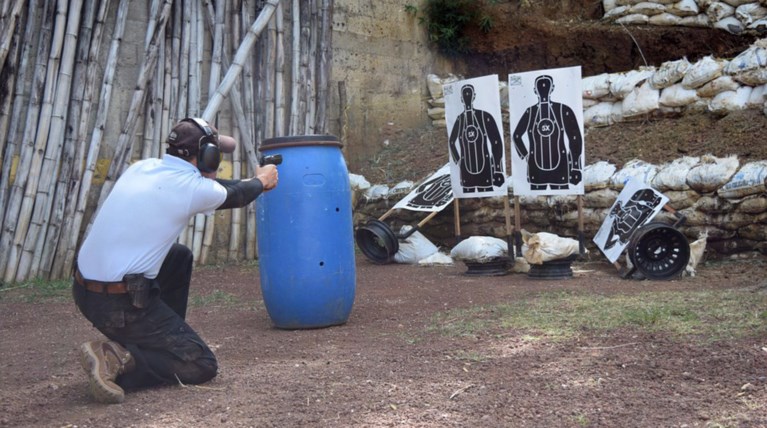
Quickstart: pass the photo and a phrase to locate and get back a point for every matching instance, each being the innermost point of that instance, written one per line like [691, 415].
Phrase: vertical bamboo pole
[304, 73]
[195, 97]
[295, 68]
[215, 74]
[9, 249]
[311, 68]
[8, 147]
[268, 60]
[67, 242]
[72, 153]
[279, 79]
[176, 58]
[325, 63]
[13, 273]
[99, 125]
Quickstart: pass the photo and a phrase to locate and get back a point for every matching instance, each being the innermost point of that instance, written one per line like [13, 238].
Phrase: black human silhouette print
[554, 142]
[432, 193]
[629, 217]
[476, 145]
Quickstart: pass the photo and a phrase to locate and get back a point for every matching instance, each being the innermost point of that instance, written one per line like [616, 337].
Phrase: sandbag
[668, 73]
[480, 249]
[731, 24]
[716, 86]
[642, 100]
[754, 204]
[633, 19]
[749, 180]
[730, 100]
[756, 99]
[684, 8]
[414, 248]
[378, 191]
[750, 59]
[696, 21]
[711, 204]
[599, 115]
[673, 175]
[717, 11]
[750, 12]
[635, 169]
[681, 199]
[678, 96]
[596, 87]
[711, 173]
[703, 71]
[544, 247]
[665, 19]
[597, 175]
[622, 84]
[648, 8]
[602, 198]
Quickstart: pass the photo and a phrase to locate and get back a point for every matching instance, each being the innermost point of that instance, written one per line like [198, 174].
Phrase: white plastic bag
[642, 100]
[678, 96]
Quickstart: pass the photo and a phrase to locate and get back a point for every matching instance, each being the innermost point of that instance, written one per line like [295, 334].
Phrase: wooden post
[457, 219]
[581, 243]
[517, 227]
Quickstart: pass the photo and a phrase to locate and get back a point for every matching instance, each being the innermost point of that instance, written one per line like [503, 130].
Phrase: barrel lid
[300, 140]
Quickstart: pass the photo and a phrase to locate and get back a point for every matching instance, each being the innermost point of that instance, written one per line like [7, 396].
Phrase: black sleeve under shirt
[240, 193]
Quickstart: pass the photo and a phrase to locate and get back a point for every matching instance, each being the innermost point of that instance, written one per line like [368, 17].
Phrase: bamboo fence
[255, 68]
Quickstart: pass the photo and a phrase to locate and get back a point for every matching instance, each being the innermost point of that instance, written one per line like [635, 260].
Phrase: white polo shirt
[149, 206]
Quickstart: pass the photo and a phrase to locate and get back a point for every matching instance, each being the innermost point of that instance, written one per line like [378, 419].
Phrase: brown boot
[103, 361]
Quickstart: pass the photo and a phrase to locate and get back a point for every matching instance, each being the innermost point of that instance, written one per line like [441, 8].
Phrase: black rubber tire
[659, 251]
[377, 241]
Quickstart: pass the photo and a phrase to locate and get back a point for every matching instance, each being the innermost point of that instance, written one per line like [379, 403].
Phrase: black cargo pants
[166, 350]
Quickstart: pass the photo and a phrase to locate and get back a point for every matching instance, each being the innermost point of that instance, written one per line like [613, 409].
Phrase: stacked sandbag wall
[733, 16]
[671, 89]
[720, 197]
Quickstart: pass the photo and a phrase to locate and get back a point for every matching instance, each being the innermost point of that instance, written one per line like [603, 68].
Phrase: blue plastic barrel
[306, 235]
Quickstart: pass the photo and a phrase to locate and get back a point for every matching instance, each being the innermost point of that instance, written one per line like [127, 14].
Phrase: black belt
[99, 286]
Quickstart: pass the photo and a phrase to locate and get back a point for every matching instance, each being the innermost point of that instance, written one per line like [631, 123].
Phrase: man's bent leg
[166, 349]
[174, 278]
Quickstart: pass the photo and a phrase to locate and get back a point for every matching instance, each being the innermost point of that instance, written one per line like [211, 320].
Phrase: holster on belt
[138, 289]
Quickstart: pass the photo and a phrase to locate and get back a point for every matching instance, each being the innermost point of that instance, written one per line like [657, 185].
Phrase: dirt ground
[389, 366]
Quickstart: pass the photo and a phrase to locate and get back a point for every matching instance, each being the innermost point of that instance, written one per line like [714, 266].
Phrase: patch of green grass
[38, 290]
[216, 298]
[470, 356]
[708, 315]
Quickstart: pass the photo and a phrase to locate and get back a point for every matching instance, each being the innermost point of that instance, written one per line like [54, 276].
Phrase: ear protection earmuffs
[208, 153]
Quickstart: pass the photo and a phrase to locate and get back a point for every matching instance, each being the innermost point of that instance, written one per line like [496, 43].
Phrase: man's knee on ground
[198, 371]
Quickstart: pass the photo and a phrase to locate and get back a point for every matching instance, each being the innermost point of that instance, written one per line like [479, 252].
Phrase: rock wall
[380, 55]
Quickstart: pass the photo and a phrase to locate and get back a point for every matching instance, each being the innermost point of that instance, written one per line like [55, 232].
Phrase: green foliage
[446, 22]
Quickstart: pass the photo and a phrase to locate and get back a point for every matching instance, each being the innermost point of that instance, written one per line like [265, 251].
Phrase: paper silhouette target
[636, 205]
[546, 120]
[433, 194]
[475, 137]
